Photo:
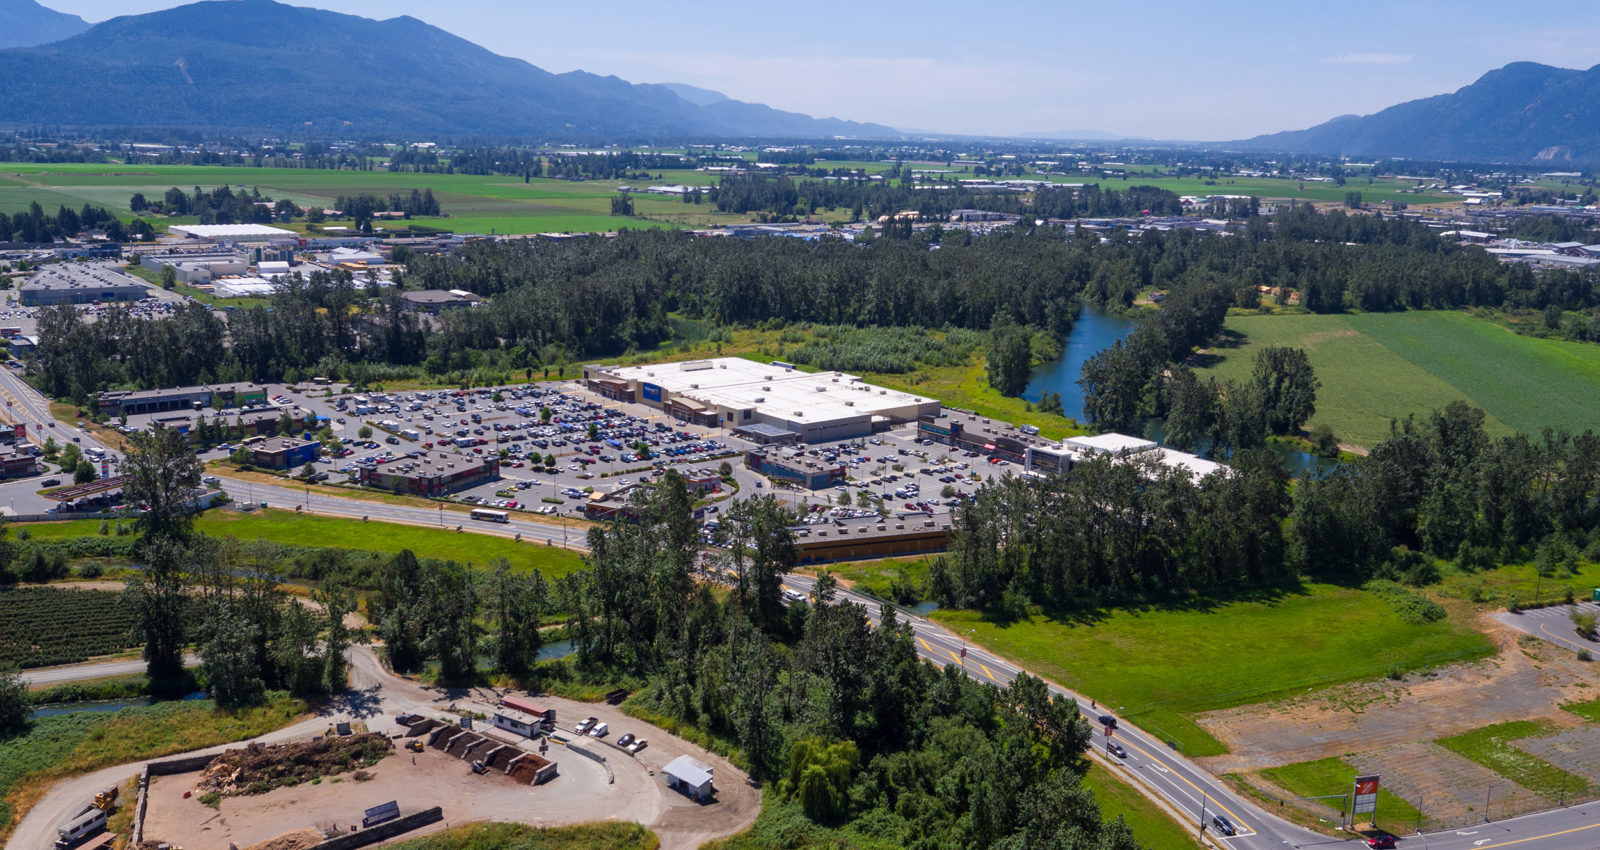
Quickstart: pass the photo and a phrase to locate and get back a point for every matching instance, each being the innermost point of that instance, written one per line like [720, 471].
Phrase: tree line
[1437, 489]
[837, 712]
[34, 225]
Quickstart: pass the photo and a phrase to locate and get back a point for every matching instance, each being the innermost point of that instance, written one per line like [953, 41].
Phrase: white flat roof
[1113, 443]
[1198, 465]
[232, 231]
[686, 769]
[778, 391]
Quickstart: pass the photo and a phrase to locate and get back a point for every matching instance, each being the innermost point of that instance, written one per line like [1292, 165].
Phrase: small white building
[690, 777]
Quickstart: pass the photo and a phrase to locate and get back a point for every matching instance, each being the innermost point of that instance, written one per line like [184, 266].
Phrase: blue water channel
[51, 709]
[1097, 330]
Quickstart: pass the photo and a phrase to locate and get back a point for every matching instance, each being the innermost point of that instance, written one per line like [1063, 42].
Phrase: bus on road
[487, 515]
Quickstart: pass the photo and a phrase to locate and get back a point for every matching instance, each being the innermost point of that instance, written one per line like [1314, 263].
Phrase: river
[1097, 330]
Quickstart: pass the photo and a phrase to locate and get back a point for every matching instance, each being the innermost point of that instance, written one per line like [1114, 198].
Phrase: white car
[600, 731]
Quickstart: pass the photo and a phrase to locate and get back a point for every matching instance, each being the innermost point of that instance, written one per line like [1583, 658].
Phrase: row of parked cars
[595, 728]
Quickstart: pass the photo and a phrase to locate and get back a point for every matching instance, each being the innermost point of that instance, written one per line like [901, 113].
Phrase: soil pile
[528, 768]
[300, 839]
[257, 769]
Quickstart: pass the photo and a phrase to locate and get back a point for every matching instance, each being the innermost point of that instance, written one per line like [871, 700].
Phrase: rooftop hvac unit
[820, 389]
[694, 386]
[849, 404]
[761, 399]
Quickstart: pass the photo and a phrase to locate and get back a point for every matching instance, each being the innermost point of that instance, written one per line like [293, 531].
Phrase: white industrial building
[1059, 458]
[231, 232]
[733, 393]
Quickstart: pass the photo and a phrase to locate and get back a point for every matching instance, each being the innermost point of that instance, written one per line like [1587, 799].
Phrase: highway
[1188, 788]
[1184, 786]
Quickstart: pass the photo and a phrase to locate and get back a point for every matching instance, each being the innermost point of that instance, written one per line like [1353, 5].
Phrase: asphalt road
[1182, 784]
[1553, 624]
[92, 670]
[1188, 788]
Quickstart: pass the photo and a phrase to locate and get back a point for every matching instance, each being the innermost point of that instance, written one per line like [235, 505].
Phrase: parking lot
[894, 481]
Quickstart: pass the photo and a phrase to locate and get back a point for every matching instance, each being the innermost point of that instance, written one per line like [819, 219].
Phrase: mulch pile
[528, 768]
[257, 768]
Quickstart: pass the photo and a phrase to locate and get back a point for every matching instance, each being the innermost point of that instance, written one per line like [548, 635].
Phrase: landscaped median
[1161, 666]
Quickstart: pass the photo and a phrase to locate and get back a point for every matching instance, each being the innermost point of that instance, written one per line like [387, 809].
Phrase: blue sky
[1174, 70]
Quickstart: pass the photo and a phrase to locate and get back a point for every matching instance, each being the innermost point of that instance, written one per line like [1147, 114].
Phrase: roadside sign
[1366, 794]
[964, 649]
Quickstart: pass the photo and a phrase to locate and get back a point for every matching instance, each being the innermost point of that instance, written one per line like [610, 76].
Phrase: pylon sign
[1366, 794]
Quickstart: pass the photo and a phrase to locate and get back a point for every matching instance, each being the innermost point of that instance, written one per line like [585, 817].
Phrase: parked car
[601, 730]
[637, 745]
[625, 740]
[588, 723]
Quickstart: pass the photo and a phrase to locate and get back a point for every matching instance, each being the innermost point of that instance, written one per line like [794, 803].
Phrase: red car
[1382, 842]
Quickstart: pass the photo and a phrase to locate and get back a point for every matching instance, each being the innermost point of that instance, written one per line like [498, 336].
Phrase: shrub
[1412, 608]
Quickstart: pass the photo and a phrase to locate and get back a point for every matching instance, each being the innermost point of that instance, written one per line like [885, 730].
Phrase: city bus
[487, 515]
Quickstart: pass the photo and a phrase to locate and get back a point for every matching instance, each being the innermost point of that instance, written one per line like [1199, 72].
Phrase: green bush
[1412, 608]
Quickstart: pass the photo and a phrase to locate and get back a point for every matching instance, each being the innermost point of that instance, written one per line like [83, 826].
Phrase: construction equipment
[106, 798]
[414, 745]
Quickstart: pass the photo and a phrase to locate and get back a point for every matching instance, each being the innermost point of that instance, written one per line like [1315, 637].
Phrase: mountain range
[258, 65]
[24, 23]
[1523, 112]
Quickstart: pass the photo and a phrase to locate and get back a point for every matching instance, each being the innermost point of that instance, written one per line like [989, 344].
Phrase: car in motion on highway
[1381, 842]
[1222, 825]
[1116, 749]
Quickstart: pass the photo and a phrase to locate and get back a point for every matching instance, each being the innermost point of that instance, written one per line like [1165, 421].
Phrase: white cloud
[1369, 59]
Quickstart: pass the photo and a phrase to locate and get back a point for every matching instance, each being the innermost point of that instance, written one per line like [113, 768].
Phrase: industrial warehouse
[742, 394]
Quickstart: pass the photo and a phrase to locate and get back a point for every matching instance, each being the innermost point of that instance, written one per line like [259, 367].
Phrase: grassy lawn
[1588, 709]
[310, 530]
[1379, 367]
[967, 387]
[1150, 824]
[1333, 776]
[1158, 667]
[1498, 585]
[1491, 747]
[68, 744]
[291, 528]
[874, 577]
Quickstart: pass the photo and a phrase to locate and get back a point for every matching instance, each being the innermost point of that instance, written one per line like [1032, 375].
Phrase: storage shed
[690, 777]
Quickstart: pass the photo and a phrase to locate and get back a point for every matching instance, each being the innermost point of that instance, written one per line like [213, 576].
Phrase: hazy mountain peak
[24, 23]
[1522, 112]
[240, 56]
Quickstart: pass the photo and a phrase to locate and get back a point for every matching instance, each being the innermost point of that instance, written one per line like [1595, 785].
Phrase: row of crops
[41, 626]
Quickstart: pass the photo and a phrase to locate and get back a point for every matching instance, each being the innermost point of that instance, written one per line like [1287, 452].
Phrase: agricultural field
[1376, 368]
[472, 203]
[1215, 655]
[43, 626]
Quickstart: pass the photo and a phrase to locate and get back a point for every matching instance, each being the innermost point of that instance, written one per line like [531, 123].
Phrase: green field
[1378, 367]
[1159, 667]
[1150, 825]
[296, 529]
[472, 203]
[1333, 776]
[1491, 747]
[1588, 709]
